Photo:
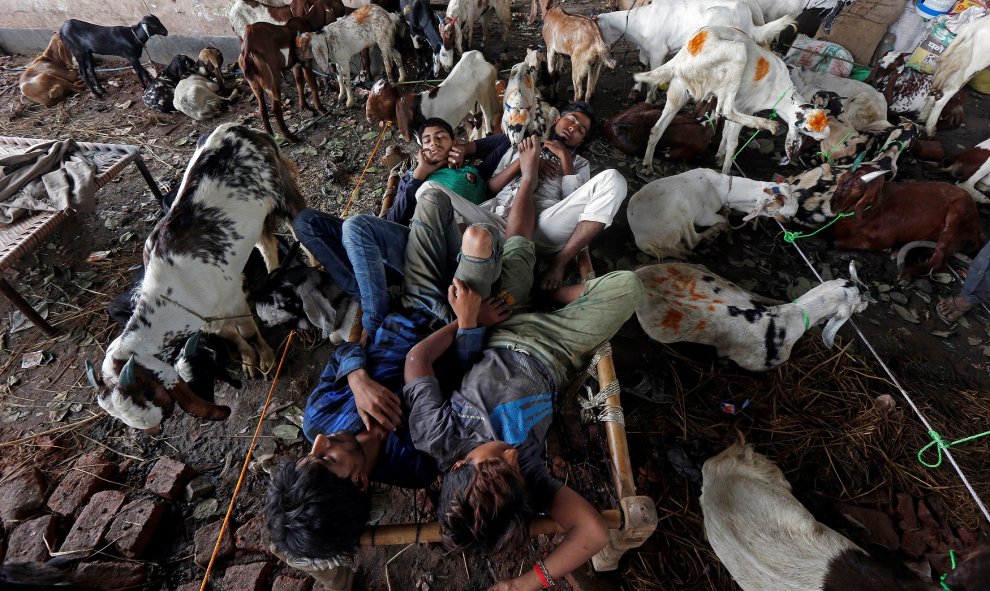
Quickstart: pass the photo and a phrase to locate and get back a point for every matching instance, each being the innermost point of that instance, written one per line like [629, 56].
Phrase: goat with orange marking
[48, 80]
[745, 78]
[580, 38]
[688, 303]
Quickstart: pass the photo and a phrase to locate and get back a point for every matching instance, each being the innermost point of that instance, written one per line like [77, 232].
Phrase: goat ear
[319, 312]
[303, 42]
[404, 116]
[834, 324]
[196, 406]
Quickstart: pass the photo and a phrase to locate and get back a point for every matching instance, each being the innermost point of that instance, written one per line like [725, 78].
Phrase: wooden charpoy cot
[18, 238]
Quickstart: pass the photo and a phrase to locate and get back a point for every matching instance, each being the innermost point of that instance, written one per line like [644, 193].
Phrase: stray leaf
[12, 380]
[125, 237]
[75, 407]
[287, 432]
[308, 151]
[124, 105]
[56, 416]
[294, 415]
[98, 255]
[904, 313]
[942, 334]
[369, 136]
[942, 278]
[181, 141]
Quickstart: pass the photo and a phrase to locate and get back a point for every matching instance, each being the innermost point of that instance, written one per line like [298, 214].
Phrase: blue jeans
[976, 288]
[359, 253]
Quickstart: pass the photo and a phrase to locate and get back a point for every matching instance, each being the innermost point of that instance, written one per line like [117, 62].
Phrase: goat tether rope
[371, 158]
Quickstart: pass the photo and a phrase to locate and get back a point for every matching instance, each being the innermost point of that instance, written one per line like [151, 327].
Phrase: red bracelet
[541, 572]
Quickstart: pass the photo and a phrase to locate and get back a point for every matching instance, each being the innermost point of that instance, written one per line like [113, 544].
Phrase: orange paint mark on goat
[361, 14]
[672, 320]
[762, 69]
[711, 308]
[701, 325]
[818, 122]
[697, 42]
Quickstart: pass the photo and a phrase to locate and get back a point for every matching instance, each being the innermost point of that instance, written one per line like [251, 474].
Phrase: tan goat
[580, 38]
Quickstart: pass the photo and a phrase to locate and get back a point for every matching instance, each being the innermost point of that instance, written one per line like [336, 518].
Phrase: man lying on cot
[488, 435]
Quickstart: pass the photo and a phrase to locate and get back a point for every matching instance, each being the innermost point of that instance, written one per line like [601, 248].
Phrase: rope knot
[939, 443]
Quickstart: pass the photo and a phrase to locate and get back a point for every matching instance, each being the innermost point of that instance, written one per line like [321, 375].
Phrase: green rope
[941, 444]
[941, 581]
[887, 145]
[790, 237]
[773, 115]
[828, 155]
[807, 319]
[708, 118]
[859, 160]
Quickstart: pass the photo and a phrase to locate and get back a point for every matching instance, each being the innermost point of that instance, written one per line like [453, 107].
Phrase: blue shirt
[331, 407]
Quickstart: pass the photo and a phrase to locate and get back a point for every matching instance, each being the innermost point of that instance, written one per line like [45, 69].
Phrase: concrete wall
[26, 25]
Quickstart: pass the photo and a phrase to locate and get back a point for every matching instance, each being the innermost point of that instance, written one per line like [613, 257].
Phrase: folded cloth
[50, 176]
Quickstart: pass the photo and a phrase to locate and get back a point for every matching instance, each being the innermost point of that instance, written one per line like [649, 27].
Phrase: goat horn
[853, 272]
[903, 252]
[191, 345]
[871, 176]
[127, 373]
[91, 375]
[195, 405]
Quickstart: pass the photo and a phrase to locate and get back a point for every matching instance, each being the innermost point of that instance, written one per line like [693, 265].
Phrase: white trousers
[598, 200]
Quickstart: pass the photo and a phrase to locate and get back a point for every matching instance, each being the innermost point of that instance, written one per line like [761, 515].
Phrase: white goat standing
[463, 14]
[664, 213]
[745, 78]
[337, 42]
[963, 60]
[689, 303]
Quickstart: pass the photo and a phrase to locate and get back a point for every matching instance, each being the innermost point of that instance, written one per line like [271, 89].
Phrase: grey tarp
[49, 176]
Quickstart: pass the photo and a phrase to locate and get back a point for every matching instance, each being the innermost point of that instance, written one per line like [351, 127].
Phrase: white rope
[897, 384]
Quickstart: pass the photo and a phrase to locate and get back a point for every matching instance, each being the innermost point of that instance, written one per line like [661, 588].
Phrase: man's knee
[357, 226]
[311, 223]
[477, 242]
[430, 201]
[613, 179]
[626, 286]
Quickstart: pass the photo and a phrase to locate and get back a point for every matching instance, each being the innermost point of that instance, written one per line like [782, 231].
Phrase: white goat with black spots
[745, 78]
[236, 187]
[689, 303]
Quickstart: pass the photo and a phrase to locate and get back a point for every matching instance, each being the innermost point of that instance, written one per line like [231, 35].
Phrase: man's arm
[405, 200]
[585, 535]
[501, 179]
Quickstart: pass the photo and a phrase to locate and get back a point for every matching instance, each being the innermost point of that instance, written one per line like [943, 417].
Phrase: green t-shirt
[464, 181]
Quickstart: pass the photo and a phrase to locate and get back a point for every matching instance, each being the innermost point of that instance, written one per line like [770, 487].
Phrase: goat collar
[147, 35]
[804, 314]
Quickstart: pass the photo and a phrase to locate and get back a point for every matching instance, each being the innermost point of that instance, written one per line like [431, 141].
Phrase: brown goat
[210, 62]
[898, 213]
[629, 131]
[48, 80]
[268, 50]
[968, 162]
[580, 38]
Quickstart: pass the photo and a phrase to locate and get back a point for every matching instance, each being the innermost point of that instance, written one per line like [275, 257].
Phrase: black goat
[84, 39]
[160, 92]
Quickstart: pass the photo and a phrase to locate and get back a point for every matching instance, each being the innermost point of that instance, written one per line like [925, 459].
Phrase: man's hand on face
[529, 157]
[455, 159]
[562, 152]
[423, 166]
[466, 304]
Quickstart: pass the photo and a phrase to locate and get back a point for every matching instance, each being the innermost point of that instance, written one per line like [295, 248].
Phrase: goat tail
[662, 75]
[770, 31]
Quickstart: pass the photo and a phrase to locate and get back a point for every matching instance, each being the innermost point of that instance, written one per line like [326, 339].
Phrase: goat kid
[689, 303]
[339, 41]
[907, 90]
[85, 39]
[209, 63]
[461, 17]
[579, 38]
[316, 13]
[267, 50]
[664, 213]
[861, 105]
[197, 96]
[768, 540]
[47, 80]
[424, 29]
[470, 83]
[973, 167]
[160, 92]
[236, 187]
[956, 67]
[749, 79]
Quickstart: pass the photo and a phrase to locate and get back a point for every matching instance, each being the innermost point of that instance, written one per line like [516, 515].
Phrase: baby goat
[690, 303]
[84, 39]
[161, 91]
[579, 38]
[47, 80]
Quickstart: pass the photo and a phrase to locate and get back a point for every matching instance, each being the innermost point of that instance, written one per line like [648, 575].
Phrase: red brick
[87, 532]
[248, 577]
[168, 478]
[27, 541]
[285, 583]
[133, 529]
[206, 539]
[253, 536]
[878, 523]
[111, 575]
[22, 495]
[905, 508]
[90, 475]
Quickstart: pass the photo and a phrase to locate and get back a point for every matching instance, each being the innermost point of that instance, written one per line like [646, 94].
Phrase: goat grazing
[750, 79]
[689, 303]
[907, 90]
[266, 51]
[956, 67]
[316, 13]
[664, 213]
[85, 39]
[524, 112]
[580, 38]
[661, 28]
[197, 96]
[339, 41]
[461, 17]
[768, 540]
[237, 185]
[471, 82]
[973, 167]
[685, 139]
[160, 92]
[47, 80]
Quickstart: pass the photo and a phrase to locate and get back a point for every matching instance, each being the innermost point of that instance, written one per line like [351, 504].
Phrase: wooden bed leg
[21, 304]
[639, 521]
[152, 184]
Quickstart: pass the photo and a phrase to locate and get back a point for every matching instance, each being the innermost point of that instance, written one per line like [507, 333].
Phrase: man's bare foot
[553, 278]
[952, 309]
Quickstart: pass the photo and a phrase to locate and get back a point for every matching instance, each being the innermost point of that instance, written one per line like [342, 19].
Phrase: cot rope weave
[597, 402]
[371, 158]
[247, 460]
[603, 351]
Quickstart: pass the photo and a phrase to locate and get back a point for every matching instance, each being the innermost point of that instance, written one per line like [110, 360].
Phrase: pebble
[923, 297]
[900, 298]
[905, 314]
[974, 341]
[206, 509]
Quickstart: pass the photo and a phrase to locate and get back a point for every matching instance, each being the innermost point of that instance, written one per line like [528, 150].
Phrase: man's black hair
[581, 107]
[434, 122]
[314, 514]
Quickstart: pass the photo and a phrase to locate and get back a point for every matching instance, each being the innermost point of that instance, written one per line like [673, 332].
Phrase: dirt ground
[807, 415]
